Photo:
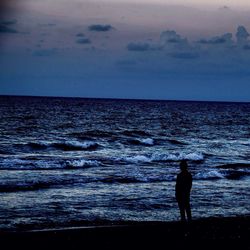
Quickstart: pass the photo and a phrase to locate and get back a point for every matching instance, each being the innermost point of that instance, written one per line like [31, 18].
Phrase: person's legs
[182, 210]
[188, 211]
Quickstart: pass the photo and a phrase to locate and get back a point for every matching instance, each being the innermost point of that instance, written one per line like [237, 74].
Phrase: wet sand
[209, 233]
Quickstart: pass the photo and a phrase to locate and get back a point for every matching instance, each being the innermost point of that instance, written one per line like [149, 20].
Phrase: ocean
[72, 161]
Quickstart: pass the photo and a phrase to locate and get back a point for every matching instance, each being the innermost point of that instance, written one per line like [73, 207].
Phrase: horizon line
[125, 99]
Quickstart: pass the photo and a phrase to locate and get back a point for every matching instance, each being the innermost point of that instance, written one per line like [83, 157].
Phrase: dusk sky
[147, 49]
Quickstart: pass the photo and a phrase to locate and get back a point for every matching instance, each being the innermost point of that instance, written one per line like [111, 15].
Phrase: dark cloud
[6, 29]
[4, 26]
[226, 39]
[143, 46]
[175, 46]
[223, 39]
[100, 27]
[138, 46]
[8, 22]
[170, 42]
[170, 36]
[83, 41]
[242, 35]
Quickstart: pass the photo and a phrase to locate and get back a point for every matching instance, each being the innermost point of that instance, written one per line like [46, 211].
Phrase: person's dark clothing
[182, 193]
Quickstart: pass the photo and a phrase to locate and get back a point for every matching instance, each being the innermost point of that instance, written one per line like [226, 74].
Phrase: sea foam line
[156, 157]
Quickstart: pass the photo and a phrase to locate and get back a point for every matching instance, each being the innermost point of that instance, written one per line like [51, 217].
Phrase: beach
[208, 233]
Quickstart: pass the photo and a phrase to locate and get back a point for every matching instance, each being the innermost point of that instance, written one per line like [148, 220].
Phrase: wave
[16, 164]
[33, 164]
[49, 182]
[136, 159]
[135, 133]
[210, 175]
[195, 156]
[33, 185]
[215, 174]
[145, 142]
[81, 163]
[156, 157]
[75, 145]
[65, 146]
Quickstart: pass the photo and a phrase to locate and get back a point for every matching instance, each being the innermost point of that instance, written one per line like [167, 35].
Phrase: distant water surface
[65, 161]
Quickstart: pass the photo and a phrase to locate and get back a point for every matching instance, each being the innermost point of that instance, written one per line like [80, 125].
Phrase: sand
[209, 233]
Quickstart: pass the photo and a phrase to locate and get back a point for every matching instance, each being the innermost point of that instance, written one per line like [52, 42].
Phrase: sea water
[68, 161]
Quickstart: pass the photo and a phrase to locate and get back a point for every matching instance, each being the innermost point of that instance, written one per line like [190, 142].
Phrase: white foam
[137, 158]
[83, 145]
[43, 143]
[14, 161]
[178, 157]
[147, 141]
[163, 157]
[194, 156]
[213, 174]
[29, 164]
[83, 163]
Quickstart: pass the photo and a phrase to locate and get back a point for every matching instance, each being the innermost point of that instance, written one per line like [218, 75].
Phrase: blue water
[67, 161]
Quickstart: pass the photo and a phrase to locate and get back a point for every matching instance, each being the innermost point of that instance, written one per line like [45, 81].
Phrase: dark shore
[209, 233]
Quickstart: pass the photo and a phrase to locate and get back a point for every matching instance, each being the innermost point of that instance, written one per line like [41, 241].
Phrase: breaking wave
[66, 145]
[82, 163]
[75, 145]
[33, 164]
[215, 174]
[196, 156]
[210, 175]
[156, 157]
[145, 142]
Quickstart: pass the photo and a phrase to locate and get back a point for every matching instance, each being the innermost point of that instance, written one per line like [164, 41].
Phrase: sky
[144, 49]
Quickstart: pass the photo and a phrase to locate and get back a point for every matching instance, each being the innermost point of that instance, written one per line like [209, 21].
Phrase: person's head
[183, 165]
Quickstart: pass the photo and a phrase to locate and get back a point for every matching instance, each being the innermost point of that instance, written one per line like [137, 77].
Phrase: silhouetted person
[182, 191]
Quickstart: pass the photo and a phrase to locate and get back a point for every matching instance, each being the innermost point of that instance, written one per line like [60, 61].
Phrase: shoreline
[232, 232]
